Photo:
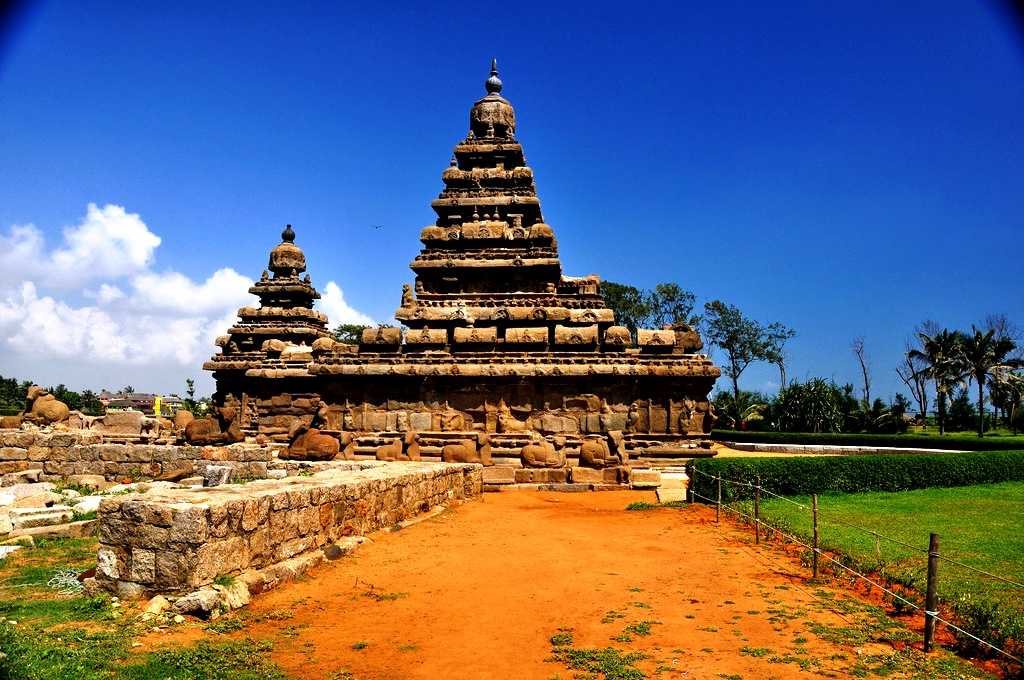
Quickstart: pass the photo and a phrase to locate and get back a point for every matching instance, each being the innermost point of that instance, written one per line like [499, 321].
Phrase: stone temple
[502, 358]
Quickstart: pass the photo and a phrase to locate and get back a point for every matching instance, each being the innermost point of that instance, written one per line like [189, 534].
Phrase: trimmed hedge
[801, 476]
[915, 441]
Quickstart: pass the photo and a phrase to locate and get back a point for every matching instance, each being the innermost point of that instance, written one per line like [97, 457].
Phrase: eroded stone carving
[470, 450]
[542, 453]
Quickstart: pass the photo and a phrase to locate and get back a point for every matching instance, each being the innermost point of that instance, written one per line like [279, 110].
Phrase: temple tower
[489, 269]
[499, 346]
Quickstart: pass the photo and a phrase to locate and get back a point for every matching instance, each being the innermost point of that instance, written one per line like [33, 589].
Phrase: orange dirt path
[477, 592]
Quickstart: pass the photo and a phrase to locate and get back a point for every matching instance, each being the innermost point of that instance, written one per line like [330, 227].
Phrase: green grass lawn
[981, 526]
[56, 637]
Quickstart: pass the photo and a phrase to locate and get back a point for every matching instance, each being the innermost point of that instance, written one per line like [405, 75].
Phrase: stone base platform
[175, 541]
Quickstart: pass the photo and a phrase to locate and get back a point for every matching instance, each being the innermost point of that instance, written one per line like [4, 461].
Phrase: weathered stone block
[645, 478]
[585, 475]
[143, 566]
[541, 475]
[499, 474]
[13, 453]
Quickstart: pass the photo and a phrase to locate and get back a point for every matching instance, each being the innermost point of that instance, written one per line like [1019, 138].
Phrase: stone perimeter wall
[178, 540]
[58, 455]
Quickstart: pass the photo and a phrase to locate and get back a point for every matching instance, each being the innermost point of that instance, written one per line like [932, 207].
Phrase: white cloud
[176, 292]
[108, 243]
[105, 294]
[332, 303]
[136, 325]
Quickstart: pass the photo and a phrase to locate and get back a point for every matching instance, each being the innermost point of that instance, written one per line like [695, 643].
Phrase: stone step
[27, 518]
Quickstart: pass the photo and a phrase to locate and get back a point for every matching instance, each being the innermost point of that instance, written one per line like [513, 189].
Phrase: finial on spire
[288, 235]
[493, 83]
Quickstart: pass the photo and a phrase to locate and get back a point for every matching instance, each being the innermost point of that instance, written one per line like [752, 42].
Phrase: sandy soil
[478, 591]
[723, 451]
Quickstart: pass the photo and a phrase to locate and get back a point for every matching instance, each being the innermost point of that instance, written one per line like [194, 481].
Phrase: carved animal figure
[618, 446]
[348, 445]
[468, 451]
[594, 452]
[541, 453]
[183, 418]
[221, 428]
[44, 408]
[508, 423]
[405, 449]
[313, 445]
[390, 451]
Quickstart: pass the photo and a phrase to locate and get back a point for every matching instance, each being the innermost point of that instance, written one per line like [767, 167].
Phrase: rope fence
[930, 609]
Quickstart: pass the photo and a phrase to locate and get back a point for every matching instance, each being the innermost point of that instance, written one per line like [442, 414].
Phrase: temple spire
[493, 83]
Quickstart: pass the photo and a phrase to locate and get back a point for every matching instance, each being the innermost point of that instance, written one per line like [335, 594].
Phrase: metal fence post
[757, 511]
[718, 501]
[814, 545]
[931, 600]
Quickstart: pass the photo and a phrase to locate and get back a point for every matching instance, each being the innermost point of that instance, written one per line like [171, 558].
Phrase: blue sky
[845, 169]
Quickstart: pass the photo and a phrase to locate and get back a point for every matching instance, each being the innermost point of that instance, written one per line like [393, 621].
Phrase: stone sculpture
[220, 428]
[470, 450]
[542, 453]
[404, 449]
[313, 445]
[43, 408]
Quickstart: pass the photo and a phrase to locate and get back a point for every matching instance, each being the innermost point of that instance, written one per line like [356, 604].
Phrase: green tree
[90, 404]
[755, 409]
[1007, 390]
[349, 333]
[962, 414]
[127, 390]
[629, 304]
[743, 341]
[670, 304]
[983, 353]
[666, 304]
[191, 405]
[812, 406]
[941, 353]
[70, 397]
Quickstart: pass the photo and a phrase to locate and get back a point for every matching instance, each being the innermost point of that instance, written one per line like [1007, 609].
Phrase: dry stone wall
[178, 540]
[59, 455]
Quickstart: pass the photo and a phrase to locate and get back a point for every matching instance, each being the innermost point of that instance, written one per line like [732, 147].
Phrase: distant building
[141, 401]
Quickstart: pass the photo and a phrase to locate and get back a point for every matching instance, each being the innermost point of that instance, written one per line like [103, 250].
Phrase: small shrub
[225, 580]
[916, 441]
[855, 474]
[562, 637]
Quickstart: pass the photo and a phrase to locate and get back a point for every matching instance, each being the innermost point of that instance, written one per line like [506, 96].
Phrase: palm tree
[1007, 388]
[942, 355]
[983, 355]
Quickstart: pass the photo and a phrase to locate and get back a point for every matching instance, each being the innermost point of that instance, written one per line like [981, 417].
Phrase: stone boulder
[120, 422]
[200, 603]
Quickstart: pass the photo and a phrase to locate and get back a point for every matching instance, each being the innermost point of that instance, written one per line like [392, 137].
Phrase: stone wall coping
[349, 474]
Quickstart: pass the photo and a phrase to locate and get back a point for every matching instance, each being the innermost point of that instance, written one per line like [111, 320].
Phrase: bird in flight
[378, 226]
